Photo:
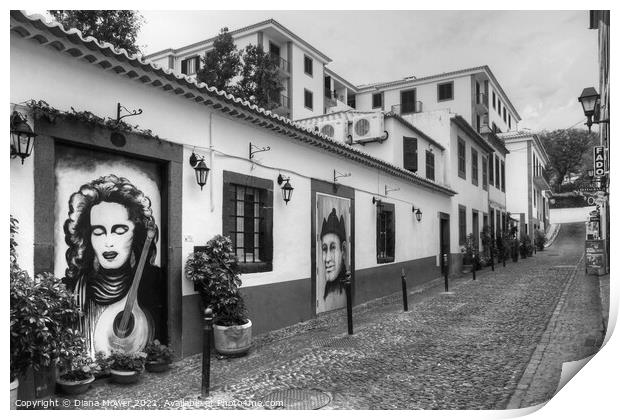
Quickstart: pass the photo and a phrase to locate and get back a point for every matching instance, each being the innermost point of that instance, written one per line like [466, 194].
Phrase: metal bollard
[206, 352]
[347, 284]
[446, 270]
[473, 266]
[403, 279]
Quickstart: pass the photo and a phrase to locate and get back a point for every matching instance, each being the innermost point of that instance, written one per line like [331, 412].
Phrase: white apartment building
[528, 187]
[302, 66]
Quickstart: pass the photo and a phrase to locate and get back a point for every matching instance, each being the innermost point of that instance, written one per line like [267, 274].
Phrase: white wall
[516, 177]
[300, 81]
[68, 82]
[571, 215]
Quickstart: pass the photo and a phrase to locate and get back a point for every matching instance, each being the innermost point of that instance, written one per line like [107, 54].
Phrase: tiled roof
[106, 56]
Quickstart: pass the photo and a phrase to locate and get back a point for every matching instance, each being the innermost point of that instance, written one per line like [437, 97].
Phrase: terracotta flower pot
[74, 387]
[125, 376]
[157, 366]
[235, 340]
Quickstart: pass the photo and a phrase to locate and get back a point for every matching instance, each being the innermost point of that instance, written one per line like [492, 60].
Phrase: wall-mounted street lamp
[254, 149]
[287, 189]
[22, 136]
[591, 103]
[340, 175]
[201, 168]
[417, 212]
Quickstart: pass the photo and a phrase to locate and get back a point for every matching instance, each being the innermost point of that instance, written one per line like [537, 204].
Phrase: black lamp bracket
[132, 113]
[377, 201]
[281, 180]
[340, 175]
[254, 149]
[194, 159]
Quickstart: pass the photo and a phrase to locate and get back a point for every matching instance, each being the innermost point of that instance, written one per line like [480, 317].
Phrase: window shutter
[197, 66]
[378, 234]
[184, 66]
[410, 154]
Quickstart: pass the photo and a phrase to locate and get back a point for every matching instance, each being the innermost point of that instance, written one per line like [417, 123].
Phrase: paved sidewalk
[467, 350]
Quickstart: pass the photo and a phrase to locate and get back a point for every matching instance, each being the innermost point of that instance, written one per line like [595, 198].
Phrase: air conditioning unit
[333, 129]
[367, 127]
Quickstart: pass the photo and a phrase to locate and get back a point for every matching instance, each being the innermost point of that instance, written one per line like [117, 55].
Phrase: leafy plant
[157, 352]
[260, 82]
[486, 238]
[44, 319]
[79, 367]
[131, 362]
[470, 252]
[222, 63]
[526, 247]
[215, 274]
[103, 364]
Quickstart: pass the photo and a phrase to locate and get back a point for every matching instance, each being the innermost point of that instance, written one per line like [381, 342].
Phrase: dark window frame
[410, 164]
[474, 166]
[232, 181]
[386, 233]
[430, 165]
[497, 176]
[485, 173]
[311, 62]
[185, 62]
[491, 173]
[306, 92]
[404, 110]
[439, 86]
[503, 176]
[462, 221]
[461, 160]
[377, 95]
[494, 101]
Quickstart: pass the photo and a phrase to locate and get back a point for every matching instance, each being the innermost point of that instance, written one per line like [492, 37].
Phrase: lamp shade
[588, 100]
[418, 215]
[202, 172]
[22, 136]
[287, 191]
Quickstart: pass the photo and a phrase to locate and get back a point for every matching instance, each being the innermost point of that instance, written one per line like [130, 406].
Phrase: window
[494, 107]
[462, 224]
[445, 91]
[496, 172]
[491, 178]
[307, 65]
[474, 166]
[485, 168]
[410, 154]
[500, 225]
[190, 66]
[534, 195]
[503, 175]
[377, 100]
[430, 165]
[478, 93]
[247, 217]
[504, 112]
[509, 122]
[407, 102]
[477, 123]
[308, 99]
[461, 158]
[385, 233]
[492, 220]
[475, 227]
[351, 100]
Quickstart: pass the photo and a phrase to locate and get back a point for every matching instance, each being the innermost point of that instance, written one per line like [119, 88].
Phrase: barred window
[385, 233]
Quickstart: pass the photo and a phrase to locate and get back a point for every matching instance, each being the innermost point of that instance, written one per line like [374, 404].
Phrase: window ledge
[257, 267]
[385, 260]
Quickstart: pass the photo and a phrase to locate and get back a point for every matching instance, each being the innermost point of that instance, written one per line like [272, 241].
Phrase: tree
[568, 152]
[222, 64]
[118, 27]
[260, 82]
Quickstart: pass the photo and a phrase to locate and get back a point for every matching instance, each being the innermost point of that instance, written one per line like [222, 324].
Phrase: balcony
[283, 65]
[541, 179]
[283, 107]
[482, 102]
[330, 98]
[408, 109]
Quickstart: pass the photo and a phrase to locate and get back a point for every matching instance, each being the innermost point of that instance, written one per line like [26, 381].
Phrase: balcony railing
[281, 100]
[281, 63]
[409, 109]
[541, 177]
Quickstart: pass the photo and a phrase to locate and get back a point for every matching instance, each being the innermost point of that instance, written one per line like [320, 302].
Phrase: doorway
[444, 242]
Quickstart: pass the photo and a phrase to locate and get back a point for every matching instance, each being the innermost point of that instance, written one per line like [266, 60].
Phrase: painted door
[333, 250]
[107, 248]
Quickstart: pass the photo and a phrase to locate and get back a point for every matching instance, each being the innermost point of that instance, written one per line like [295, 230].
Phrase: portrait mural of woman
[111, 236]
[333, 253]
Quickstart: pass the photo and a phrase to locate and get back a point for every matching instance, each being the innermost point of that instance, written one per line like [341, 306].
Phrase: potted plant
[43, 320]
[488, 245]
[126, 368]
[526, 248]
[158, 357]
[539, 240]
[103, 365]
[215, 274]
[78, 372]
[470, 254]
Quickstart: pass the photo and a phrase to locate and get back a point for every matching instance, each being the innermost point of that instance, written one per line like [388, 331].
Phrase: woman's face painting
[111, 234]
[332, 255]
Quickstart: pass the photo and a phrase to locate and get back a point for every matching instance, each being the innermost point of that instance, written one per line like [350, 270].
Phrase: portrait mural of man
[110, 230]
[333, 251]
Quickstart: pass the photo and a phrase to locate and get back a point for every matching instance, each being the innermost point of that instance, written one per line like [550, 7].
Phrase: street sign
[599, 161]
[595, 254]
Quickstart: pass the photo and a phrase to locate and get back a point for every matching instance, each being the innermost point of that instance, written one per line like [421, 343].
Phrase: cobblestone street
[498, 341]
